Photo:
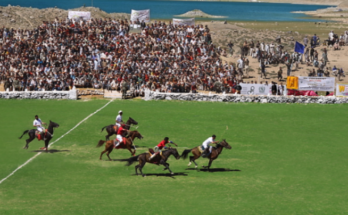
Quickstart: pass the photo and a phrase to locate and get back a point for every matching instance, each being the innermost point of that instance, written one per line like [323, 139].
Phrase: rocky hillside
[25, 18]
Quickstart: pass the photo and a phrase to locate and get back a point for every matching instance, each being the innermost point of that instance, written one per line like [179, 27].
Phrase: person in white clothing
[119, 118]
[38, 124]
[206, 145]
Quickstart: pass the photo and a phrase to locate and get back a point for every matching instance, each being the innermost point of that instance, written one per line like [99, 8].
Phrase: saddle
[200, 149]
[39, 136]
[115, 128]
[122, 144]
[151, 152]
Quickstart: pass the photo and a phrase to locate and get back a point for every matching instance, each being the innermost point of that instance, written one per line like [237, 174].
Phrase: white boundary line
[32, 158]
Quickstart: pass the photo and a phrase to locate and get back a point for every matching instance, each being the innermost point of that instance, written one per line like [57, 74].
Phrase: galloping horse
[48, 134]
[197, 153]
[111, 129]
[159, 159]
[109, 146]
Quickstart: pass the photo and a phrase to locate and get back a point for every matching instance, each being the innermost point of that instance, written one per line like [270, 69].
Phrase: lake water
[243, 11]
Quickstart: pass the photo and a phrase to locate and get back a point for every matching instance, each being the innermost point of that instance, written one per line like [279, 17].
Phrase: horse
[197, 153]
[112, 129]
[48, 134]
[109, 146]
[159, 159]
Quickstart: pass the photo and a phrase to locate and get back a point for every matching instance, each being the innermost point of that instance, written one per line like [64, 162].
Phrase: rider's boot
[152, 156]
[117, 143]
[205, 153]
[43, 135]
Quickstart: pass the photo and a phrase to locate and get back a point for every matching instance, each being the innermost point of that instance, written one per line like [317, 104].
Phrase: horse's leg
[31, 138]
[46, 144]
[109, 151]
[135, 149]
[210, 161]
[101, 154]
[137, 166]
[194, 157]
[141, 168]
[191, 158]
[167, 167]
[107, 137]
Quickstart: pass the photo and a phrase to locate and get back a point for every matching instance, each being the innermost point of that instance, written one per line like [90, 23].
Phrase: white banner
[316, 83]
[255, 89]
[141, 15]
[341, 90]
[184, 21]
[86, 15]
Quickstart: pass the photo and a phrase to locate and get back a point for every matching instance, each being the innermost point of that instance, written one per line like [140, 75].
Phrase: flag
[299, 48]
[292, 83]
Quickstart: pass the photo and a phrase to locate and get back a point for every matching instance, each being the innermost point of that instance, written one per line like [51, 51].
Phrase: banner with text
[341, 90]
[85, 15]
[184, 21]
[316, 83]
[141, 15]
[255, 89]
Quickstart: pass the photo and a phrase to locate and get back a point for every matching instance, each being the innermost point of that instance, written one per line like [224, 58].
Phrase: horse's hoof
[196, 167]
[189, 164]
[172, 173]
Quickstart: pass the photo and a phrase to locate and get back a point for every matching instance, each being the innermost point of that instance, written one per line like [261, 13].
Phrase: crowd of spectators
[102, 53]
[274, 53]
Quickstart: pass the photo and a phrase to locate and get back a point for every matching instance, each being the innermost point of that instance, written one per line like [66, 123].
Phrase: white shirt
[207, 142]
[37, 122]
[240, 64]
[119, 118]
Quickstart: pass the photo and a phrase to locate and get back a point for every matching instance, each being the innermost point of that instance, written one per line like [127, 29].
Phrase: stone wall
[72, 95]
[243, 98]
[87, 92]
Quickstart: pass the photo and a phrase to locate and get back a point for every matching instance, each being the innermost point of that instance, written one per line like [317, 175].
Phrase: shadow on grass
[121, 160]
[164, 174]
[51, 151]
[215, 170]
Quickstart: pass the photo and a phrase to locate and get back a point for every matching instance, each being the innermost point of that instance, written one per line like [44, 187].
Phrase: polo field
[285, 159]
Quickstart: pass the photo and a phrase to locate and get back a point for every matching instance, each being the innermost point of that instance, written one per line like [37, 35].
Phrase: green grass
[292, 159]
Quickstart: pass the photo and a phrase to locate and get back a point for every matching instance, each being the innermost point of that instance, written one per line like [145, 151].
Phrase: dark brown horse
[159, 159]
[111, 129]
[110, 144]
[48, 135]
[216, 151]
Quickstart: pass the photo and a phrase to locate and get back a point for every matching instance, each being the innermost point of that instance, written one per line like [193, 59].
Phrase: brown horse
[48, 135]
[110, 144]
[197, 153]
[111, 129]
[159, 159]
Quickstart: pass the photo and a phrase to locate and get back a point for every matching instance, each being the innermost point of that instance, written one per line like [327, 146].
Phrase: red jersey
[120, 130]
[162, 144]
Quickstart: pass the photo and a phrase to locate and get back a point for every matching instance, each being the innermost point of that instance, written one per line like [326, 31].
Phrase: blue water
[243, 11]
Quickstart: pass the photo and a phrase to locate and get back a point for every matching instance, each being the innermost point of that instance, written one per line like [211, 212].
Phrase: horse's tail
[23, 134]
[185, 153]
[100, 143]
[131, 160]
[103, 128]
